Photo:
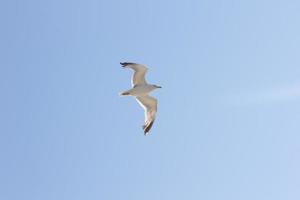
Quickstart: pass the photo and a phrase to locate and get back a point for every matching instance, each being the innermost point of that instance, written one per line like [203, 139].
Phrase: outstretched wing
[138, 77]
[150, 106]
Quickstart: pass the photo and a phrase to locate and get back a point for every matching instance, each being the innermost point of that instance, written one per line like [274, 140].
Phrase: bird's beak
[159, 87]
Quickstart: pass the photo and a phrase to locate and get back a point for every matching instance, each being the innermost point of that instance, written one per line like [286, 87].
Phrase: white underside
[141, 90]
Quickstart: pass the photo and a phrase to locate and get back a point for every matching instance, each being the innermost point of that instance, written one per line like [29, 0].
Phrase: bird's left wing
[150, 106]
[138, 77]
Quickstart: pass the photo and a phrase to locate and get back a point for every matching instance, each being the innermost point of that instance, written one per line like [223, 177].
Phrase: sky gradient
[228, 117]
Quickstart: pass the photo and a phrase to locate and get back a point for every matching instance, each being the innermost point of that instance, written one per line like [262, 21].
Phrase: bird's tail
[124, 93]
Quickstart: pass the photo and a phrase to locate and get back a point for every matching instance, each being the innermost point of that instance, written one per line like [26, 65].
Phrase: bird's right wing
[150, 106]
[138, 77]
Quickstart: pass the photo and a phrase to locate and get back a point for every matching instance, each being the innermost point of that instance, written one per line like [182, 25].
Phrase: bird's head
[156, 86]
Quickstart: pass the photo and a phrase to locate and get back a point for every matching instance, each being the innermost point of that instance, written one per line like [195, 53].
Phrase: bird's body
[140, 90]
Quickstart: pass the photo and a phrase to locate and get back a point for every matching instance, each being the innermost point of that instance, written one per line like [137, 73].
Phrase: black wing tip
[147, 128]
[124, 64]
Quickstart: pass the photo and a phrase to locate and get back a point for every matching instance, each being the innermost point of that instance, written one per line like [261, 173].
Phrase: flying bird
[140, 90]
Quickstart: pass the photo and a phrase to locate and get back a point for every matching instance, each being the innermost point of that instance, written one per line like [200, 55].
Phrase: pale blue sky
[228, 121]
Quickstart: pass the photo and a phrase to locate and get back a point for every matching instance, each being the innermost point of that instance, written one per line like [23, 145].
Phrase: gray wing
[138, 77]
[150, 106]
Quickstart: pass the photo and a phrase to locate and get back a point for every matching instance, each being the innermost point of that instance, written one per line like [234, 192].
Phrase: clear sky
[228, 124]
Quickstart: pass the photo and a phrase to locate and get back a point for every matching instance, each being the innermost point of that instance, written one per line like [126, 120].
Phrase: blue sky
[229, 110]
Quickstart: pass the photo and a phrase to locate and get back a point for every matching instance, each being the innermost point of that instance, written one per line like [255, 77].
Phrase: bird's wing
[150, 106]
[138, 77]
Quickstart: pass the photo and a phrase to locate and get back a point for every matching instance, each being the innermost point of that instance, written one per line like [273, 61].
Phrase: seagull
[140, 90]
